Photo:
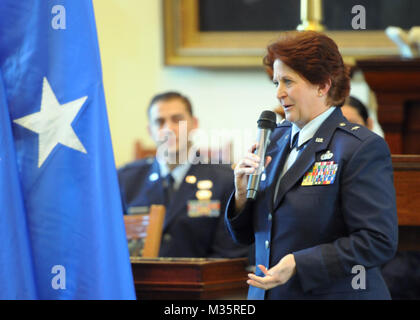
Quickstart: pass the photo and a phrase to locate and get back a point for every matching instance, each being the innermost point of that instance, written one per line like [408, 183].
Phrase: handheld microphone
[266, 125]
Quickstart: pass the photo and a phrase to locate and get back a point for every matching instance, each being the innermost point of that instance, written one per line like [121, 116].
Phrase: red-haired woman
[324, 220]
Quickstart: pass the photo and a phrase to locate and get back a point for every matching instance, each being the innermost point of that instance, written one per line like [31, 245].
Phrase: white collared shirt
[305, 134]
[178, 173]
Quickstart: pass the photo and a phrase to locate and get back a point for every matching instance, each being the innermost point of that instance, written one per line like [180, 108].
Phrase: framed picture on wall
[235, 33]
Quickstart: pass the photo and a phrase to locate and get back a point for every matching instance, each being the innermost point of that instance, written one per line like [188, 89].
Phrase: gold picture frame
[186, 45]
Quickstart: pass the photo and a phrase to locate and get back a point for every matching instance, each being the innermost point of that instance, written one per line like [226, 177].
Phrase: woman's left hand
[275, 276]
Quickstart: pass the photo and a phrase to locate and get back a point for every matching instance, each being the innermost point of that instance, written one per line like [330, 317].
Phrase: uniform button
[167, 237]
[270, 217]
[267, 244]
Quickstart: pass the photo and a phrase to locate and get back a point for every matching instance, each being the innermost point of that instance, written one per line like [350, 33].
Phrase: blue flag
[52, 78]
[16, 274]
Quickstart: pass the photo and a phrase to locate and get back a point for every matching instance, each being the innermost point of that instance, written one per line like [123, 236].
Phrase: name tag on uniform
[203, 208]
[321, 173]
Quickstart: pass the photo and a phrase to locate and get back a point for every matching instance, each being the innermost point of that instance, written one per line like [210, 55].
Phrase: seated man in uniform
[194, 194]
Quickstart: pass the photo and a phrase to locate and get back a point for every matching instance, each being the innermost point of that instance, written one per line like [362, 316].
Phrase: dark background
[273, 15]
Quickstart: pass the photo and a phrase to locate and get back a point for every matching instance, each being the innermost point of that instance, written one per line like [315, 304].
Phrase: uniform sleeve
[120, 173]
[240, 224]
[368, 206]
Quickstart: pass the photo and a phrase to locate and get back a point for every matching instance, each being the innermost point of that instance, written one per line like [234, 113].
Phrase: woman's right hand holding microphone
[244, 168]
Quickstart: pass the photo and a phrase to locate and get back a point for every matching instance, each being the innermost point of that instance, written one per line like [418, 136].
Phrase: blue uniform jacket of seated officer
[329, 228]
[187, 232]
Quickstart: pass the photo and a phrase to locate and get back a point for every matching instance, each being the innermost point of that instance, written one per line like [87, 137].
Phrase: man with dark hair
[194, 194]
[356, 112]
[170, 95]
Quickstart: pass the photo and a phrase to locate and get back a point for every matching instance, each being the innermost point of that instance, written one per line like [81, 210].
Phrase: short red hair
[314, 56]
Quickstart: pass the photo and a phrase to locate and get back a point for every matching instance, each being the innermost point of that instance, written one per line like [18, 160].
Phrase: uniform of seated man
[194, 194]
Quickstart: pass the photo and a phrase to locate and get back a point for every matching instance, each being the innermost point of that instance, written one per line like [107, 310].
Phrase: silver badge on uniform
[327, 155]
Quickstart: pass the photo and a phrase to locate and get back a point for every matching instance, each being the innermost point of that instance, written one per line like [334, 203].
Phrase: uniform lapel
[319, 142]
[154, 187]
[279, 154]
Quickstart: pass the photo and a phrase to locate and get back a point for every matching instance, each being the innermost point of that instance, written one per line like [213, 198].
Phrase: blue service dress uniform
[332, 228]
[186, 231]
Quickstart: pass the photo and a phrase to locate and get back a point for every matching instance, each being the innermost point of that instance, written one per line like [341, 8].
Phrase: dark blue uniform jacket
[331, 229]
[185, 234]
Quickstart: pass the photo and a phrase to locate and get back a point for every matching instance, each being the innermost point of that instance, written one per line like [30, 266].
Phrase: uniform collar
[309, 130]
[178, 173]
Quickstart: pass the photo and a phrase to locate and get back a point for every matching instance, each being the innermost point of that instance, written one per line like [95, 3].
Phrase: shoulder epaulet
[359, 131]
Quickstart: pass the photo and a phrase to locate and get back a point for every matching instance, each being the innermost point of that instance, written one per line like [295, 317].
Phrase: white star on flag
[53, 123]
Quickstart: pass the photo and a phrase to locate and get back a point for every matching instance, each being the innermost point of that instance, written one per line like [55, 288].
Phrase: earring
[320, 94]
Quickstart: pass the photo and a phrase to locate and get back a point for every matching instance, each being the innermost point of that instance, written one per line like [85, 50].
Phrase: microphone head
[267, 120]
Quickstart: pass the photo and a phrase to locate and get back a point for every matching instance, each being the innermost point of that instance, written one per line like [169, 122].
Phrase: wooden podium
[189, 278]
[396, 83]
